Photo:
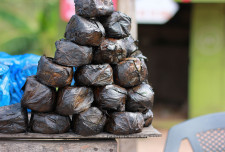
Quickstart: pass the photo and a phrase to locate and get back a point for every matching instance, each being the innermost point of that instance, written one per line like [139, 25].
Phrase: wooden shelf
[147, 132]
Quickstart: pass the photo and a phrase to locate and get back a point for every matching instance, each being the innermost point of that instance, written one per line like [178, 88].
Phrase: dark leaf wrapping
[138, 54]
[73, 100]
[84, 31]
[130, 45]
[49, 123]
[89, 122]
[117, 25]
[52, 74]
[70, 54]
[37, 96]
[111, 97]
[148, 117]
[13, 119]
[130, 72]
[93, 8]
[124, 123]
[140, 98]
[110, 51]
[94, 75]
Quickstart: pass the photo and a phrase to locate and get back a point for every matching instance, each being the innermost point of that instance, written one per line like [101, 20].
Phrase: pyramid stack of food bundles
[111, 92]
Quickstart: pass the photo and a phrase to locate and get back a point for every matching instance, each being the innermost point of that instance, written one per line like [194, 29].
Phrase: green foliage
[30, 26]
[20, 45]
[13, 20]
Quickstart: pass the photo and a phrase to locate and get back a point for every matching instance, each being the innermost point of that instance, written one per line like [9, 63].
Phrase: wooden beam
[207, 60]
[26, 142]
[58, 146]
[146, 132]
[128, 7]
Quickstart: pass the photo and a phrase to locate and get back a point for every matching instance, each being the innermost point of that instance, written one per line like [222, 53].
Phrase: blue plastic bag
[20, 67]
[4, 85]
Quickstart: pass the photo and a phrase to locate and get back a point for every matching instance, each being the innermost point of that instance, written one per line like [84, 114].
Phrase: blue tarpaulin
[13, 73]
[4, 85]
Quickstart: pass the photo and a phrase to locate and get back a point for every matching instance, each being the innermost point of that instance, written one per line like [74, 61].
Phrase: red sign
[67, 9]
[115, 4]
[186, 1]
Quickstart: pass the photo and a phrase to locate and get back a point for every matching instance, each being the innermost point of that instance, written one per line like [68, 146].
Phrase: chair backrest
[205, 133]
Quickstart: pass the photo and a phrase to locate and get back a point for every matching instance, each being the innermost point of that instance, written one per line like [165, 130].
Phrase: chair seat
[205, 134]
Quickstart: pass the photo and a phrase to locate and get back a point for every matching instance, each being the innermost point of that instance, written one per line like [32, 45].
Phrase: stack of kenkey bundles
[111, 93]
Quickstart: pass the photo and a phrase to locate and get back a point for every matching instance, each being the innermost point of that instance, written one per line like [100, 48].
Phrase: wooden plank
[127, 145]
[147, 132]
[207, 54]
[58, 146]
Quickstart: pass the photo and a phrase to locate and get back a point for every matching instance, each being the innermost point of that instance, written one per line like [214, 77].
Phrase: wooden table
[68, 142]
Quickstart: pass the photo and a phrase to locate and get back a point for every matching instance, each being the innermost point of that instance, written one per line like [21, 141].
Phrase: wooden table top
[146, 132]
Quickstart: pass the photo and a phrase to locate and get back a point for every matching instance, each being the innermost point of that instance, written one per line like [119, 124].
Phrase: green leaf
[21, 45]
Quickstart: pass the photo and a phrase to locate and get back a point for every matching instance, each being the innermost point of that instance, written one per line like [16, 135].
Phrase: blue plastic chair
[205, 134]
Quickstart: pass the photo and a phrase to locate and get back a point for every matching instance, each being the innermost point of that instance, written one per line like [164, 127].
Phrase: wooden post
[128, 7]
[127, 145]
[207, 60]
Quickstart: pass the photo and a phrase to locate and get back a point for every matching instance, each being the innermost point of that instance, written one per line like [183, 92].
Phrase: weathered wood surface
[147, 132]
[58, 146]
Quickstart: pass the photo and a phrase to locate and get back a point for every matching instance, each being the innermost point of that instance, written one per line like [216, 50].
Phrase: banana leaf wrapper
[89, 122]
[52, 74]
[111, 97]
[138, 54]
[130, 72]
[130, 45]
[73, 100]
[124, 123]
[70, 54]
[117, 25]
[148, 117]
[140, 98]
[38, 97]
[49, 123]
[85, 32]
[94, 75]
[13, 119]
[110, 51]
[93, 8]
